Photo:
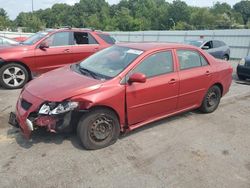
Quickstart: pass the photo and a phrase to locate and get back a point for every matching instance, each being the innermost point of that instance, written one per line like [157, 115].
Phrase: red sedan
[122, 88]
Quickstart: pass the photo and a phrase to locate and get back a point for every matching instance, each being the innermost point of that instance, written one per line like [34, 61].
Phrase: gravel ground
[188, 150]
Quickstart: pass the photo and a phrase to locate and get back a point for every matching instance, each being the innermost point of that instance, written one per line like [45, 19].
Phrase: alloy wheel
[13, 76]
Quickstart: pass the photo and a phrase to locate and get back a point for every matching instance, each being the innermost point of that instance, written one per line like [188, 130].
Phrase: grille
[25, 104]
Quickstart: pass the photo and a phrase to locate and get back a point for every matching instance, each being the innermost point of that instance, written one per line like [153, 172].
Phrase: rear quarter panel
[222, 72]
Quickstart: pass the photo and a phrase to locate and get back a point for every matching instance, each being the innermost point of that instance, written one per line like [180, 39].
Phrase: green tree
[179, 11]
[3, 13]
[133, 15]
[125, 22]
[201, 18]
[221, 8]
[243, 8]
[30, 22]
[4, 20]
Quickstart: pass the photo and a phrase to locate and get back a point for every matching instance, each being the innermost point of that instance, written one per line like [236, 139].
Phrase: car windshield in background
[109, 62]
[194, 43]
[107, 38]
[34, 38]
[6, 41]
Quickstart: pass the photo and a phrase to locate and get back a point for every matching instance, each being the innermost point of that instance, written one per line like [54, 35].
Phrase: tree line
[132, 15]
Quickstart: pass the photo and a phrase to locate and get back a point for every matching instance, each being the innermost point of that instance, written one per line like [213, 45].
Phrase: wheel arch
[220, 86]
[20, 63]
[227, 55]
[106, 107]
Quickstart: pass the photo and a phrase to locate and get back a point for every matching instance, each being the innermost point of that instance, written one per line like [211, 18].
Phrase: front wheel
[211, 100]
[98, 129]
[13, 76]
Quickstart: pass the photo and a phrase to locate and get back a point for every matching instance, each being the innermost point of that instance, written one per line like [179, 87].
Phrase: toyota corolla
[121, 88]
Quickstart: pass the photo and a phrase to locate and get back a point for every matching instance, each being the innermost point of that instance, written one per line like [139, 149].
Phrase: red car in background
[121, 88]
[48, 50]
[20, 39]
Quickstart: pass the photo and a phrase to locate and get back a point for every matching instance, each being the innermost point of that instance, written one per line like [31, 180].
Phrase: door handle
[66, 50]
[172, 81]
[208, 73]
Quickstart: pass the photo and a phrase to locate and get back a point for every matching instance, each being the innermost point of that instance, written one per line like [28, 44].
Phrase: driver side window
[209, 44]
[59, 39]
[156, 64]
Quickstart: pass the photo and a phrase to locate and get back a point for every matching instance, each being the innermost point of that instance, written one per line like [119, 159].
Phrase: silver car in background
[216, 48]
[4, 41]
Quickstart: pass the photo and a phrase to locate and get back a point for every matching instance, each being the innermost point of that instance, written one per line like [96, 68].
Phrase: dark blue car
[243, 68]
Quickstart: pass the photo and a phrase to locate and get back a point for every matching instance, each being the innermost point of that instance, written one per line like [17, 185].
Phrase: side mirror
[137, 77]
[44, 45]
[205, 47]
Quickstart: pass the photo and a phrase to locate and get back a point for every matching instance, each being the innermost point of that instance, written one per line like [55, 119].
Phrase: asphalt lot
[188, 150]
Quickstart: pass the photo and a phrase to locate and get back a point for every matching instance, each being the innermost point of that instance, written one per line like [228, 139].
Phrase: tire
[241, 77]
[98, 128]
[13, 76]
[226, 57]
[211, 100]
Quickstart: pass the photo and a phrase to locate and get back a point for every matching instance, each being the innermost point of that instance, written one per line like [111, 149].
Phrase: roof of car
[49, 30]
[151, 46]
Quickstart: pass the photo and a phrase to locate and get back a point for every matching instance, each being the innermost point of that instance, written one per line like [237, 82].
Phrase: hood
[60, 84]
[13, 48]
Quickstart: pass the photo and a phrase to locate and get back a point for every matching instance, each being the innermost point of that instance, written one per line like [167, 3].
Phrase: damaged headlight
[53, 108]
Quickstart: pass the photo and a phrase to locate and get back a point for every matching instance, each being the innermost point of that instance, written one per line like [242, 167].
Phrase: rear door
[218, 49]
[159, 94]
[195, 78]
[214, 49]
[57, 55]
[84, 45]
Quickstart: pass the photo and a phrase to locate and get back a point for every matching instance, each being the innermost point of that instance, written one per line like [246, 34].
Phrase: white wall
[237, 39]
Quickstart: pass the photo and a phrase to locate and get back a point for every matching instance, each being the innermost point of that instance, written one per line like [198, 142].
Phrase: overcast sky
[14, 7]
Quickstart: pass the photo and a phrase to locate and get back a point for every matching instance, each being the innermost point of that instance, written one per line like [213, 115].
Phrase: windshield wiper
[89, 72]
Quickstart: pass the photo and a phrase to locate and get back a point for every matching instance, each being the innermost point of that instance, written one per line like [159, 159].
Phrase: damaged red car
[122, 88]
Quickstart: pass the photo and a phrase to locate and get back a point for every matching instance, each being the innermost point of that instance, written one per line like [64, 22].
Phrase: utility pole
[32, 6]
[172, 20]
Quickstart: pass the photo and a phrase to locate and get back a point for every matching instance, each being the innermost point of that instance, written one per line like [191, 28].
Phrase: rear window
[108, 39]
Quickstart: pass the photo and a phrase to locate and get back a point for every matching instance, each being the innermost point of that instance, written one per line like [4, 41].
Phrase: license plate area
[12, 120]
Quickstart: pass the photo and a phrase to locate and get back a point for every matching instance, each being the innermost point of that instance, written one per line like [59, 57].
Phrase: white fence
[14, 34]
[238, 40]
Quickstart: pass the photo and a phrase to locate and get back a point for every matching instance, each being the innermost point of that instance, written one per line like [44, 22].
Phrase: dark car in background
[243, 68]
[216, 48]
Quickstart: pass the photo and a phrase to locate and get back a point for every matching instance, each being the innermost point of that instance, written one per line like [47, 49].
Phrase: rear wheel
[13, 76]
[226, 57]
[211, 100]
[98, 129]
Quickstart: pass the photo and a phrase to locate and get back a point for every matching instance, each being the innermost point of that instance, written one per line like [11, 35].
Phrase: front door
[159, 94]
[57, 55]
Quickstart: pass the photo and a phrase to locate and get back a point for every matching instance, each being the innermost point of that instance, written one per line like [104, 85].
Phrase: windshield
[34, 38]
[194, 43]
[109, 62]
